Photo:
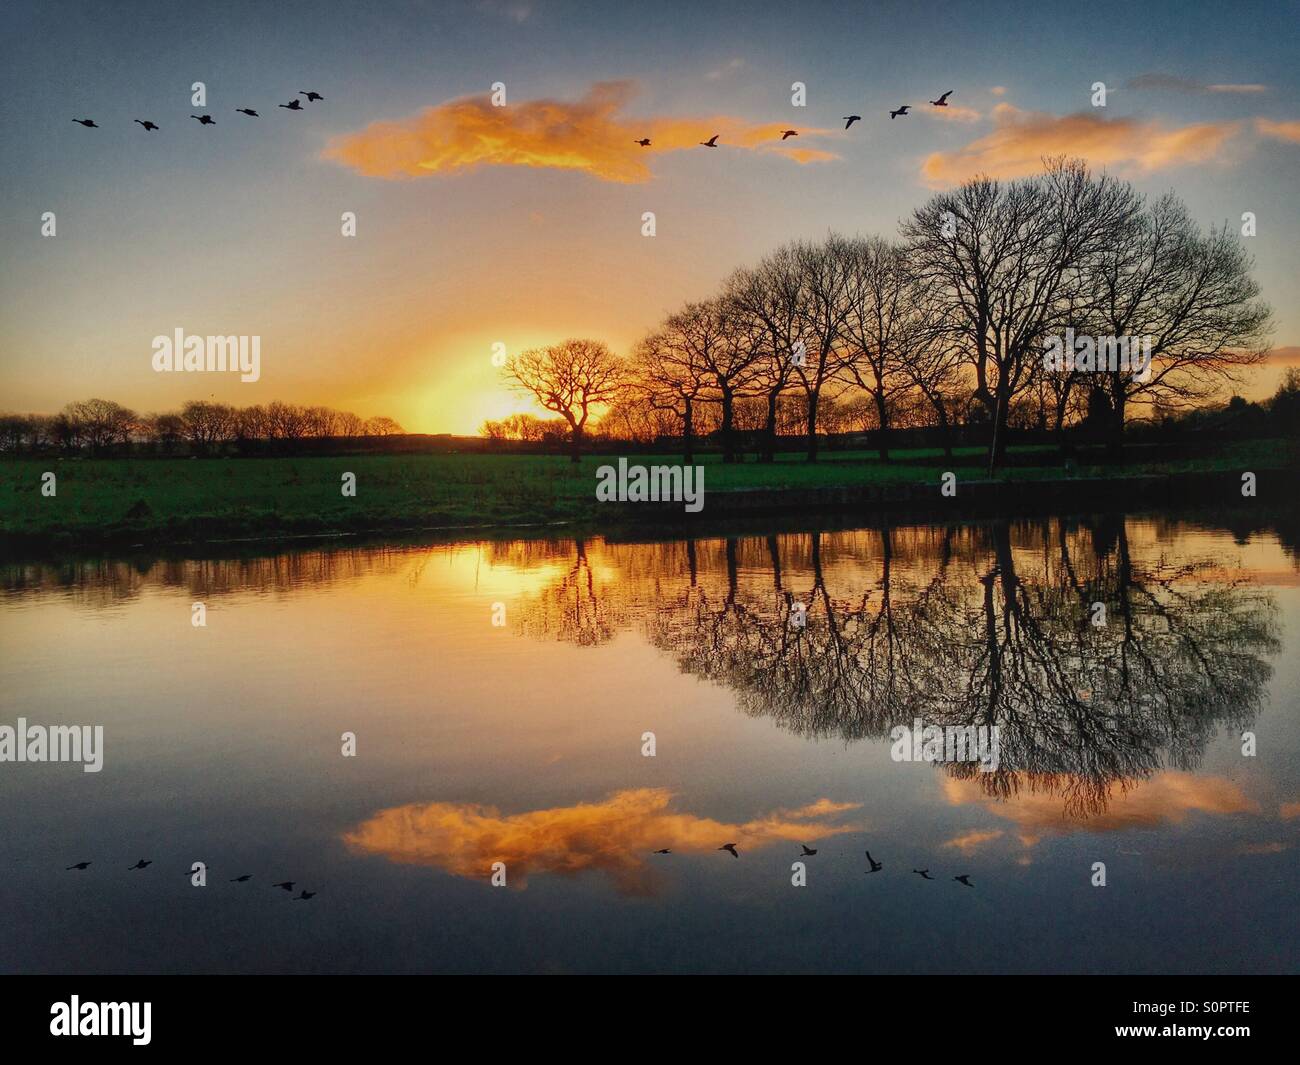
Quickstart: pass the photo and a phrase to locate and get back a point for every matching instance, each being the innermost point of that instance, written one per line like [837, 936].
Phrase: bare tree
[823, 271]
[569, 378]
[669, 376]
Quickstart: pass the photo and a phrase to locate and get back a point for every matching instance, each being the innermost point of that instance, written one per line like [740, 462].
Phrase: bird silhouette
[204, 120]
[664, 851]
[901, 111]
[287, 885]
[140, 864]
[303, 896]
[875, 865]
[807, 850]
[79, 865]
[147, 125]
[964, 879]
[310, 95]
[89, 123]
[731, 849]
[644, 142]
[293, 105]
[787, 133]
[242, 879]
[248, 111]
[943, 100]
[924, 873]
[850, 119]
[712, 142]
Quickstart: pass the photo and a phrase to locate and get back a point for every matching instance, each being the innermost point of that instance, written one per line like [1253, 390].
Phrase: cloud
[1166, 798]
[952, 113]
[972, 841]
[1022, 139]
[587, 135]
[1282, 131]
[616, 837]
[723, 71]
[1284, 356]
[998, 90]
[1176, 84]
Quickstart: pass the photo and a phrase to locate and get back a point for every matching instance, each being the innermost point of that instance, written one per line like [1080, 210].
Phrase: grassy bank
[160, 501]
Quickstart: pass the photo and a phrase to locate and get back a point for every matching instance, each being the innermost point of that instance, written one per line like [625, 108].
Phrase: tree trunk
[576, 444]
[728, 415]
[769, 430]
[882, 415]
[688, 432]
[813, 398]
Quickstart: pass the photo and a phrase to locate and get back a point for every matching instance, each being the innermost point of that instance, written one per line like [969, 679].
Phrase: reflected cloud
[1166, 798]
[616, 836]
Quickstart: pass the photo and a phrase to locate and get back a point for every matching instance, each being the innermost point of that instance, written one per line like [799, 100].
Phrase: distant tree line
[103, 427]
[945, 327]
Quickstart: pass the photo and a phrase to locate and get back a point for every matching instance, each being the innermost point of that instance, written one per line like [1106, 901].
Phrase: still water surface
[1119, 742]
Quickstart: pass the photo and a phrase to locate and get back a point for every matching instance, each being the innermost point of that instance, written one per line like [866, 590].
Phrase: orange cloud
[587, 135]
[1289, 810]
[1187, 85]
[1284, 356]
[1282, 131]
[1167, 798]
[972, 841]
[1022, 139]
[616, 836]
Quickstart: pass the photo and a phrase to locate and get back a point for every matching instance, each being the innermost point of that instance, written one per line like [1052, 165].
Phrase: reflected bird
[139, 865]
[644, 142]
[304, 896]
[147, 125]
[850, 119]
[89, 123]
[712, 142]
[730, 848]
[242, 879]
[964, 879]
[79, 865]
[925, 873]
[287, 885]
[664, 851]
[875, 865]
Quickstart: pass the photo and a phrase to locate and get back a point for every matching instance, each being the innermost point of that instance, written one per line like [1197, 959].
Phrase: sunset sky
[522, 224]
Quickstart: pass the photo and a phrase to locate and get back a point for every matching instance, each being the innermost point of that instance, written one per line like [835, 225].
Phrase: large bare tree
[569, 378]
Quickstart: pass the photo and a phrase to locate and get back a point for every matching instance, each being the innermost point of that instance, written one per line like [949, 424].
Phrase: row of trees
[97, 426]
[946, 325]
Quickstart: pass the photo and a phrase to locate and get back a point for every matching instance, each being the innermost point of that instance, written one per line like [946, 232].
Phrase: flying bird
[293, 105]
[664, 851]
[785, 133]
[248, 111]
[310, 95]
[712, 142]
[875, 865]
[242, 879]
[807, 850]
[943, 100]
[140, 864]
[79, 865]
[850, 119]
[287, 885]
[964, 879]
[304, 896]
[901, 111]
[89, 123]
[644, 142]
[924, 873]
[731, 849]
[204, 120]
[147, 125]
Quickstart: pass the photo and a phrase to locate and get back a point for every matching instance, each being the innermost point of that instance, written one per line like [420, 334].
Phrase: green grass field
[161, 500]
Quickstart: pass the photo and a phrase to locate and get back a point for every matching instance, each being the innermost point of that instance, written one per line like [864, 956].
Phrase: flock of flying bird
[207, 120]
[808, 852]
[786, 134]
[286, 885]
